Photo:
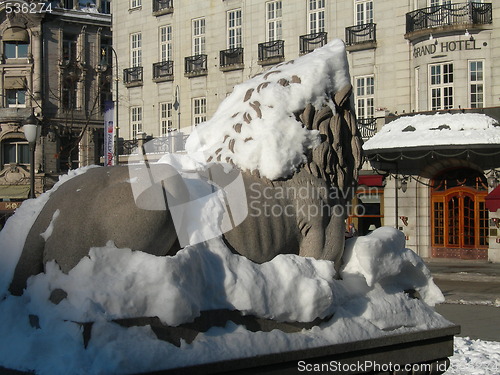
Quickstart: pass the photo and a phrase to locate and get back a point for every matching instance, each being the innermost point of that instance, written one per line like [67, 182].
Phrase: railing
[194, 65]
[164, 69]
[272, 50]
[309, 42]
[174, 142]
[159, 5]
[232, 56]
[133, 75]
[361, 34]
[367, 127]
[450, 14]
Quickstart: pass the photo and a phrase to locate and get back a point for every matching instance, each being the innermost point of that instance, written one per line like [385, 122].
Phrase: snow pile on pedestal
[436, 130]
[255, 127]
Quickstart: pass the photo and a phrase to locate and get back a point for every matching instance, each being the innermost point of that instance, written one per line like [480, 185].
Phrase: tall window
[476, 83]
[274, 20]
[199, 110]
[69, 93]
[316, 16]
[15, 50]
[441, 86]
[16, 98]
[364, 12]
[165, 43]
[199, 36]
[234, 28]
[136, 120]
[136, 49]
[69, 48]
[165, 118]
[365, 93]
[15, 151]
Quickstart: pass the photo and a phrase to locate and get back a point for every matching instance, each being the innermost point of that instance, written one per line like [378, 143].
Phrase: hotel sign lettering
[445, 47]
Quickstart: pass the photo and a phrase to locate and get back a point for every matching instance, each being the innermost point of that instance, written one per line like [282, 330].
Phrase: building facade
[51, 66]
[179, 60]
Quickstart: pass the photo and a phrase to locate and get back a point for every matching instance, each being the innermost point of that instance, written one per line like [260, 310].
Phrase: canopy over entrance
[493, 200]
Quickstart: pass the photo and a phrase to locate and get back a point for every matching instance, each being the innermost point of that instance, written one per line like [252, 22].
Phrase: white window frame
[274, 20]
[199, 30]
[135, 4]
[165, 43]
[199, 110]
[16, 97]
[16, 49]
[363, 12]
[234, 28]
[18, 144]
[437, 3]
[135, 49]
[135, 121]
[365, 96]
[441, 91]
[165, 118]
[316, 16]
[476, 81]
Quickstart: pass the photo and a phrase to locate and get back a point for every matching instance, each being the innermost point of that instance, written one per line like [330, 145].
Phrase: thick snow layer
[436, 130]
[475, 357]
[114, 283]
[255, 127]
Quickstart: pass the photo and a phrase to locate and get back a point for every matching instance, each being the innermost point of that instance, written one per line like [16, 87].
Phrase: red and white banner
[109, 134]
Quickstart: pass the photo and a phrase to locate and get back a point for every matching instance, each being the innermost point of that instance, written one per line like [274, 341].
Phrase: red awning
[493, 200]
[370, 180]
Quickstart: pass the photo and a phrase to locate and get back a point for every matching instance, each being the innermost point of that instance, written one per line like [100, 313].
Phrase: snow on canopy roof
[436, 130]
[255, 127]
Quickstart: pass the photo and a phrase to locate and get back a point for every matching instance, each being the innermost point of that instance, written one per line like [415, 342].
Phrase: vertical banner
[109, 133]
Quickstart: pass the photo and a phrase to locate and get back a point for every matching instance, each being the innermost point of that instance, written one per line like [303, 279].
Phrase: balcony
[195, 66]
[163, 71]
[231, 59]
[161, 7]
[445, 18]
[133, 76]
[367, 127]
[360, 37]
[271, 52]
[309, 42]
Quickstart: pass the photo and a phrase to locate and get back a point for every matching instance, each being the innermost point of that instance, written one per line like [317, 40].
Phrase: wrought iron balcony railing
[231, 57]
[163, 70]
[361, 34]
[163, 6]
[195, 65]
[367, 127]
[309, 42]
[470, 13]
[132, 76]
[271, 51]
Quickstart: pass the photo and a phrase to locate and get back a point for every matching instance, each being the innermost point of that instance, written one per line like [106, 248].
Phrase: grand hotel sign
[446, 47]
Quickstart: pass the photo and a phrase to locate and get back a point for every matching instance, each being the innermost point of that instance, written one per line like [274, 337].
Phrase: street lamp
[177, 106]
[32, 130]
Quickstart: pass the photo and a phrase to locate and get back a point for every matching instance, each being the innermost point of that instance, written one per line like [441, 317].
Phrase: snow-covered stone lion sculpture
[290, 132]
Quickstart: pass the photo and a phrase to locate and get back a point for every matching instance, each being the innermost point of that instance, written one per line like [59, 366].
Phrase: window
[69, 48]
[274, 21]
[165, 43]
[364, 12]
[365, 93]
[441, 86]
[476, 83]
[15, 151]
[135, 4]
[136, 120]
[316, 16]
[199, 110]
[436, 3]
[68, 93]
[234, 28]
[165, 118]
[15, 50]
[136, 50]
[199, 36]
[16, 98]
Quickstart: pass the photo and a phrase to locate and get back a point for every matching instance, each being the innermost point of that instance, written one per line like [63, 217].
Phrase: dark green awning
[14, 191]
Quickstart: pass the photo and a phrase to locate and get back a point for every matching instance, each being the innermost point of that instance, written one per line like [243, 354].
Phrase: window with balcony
[234, 29]
[316, 16]
[365, 94]
[198, 35]
[195, 65]
[133, 76]
[364, 12]
[135, 49]
[363, 33]
[309, 42]
[476, 83]
[163, 71]
[271, 52]
[274, 22]
[134, 4]
[136, 121]
[165, 43]
[161, 7]
[199, 110]
[441, 86]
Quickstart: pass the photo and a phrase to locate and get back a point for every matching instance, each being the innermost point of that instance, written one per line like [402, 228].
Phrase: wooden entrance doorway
[459, 215]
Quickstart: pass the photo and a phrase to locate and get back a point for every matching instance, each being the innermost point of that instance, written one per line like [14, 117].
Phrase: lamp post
[177, 106]
[32, 129]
